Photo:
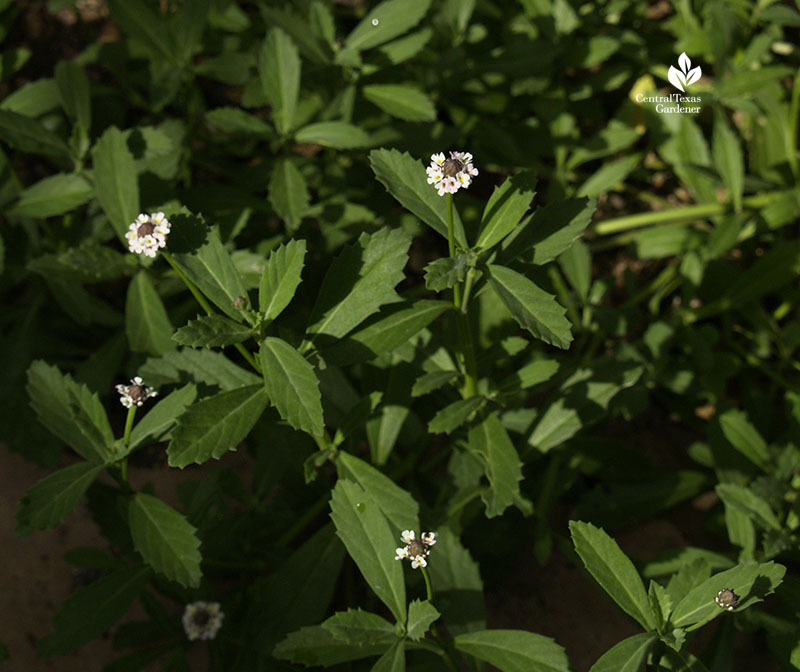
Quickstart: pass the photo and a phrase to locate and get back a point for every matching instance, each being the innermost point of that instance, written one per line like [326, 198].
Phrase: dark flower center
[201, 618]
[416, 548]
[137, 393]
[145, 229]
[452, 167]
[727, 599]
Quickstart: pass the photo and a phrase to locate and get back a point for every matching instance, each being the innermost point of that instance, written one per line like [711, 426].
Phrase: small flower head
[135, 393]
[450, 175]
[727, 599]
[202, 620]
[148, 233]
[415, 549]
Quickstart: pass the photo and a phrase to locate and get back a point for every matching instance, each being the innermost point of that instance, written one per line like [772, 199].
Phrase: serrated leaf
[627, 656]
[138, 20]
[368, 539]
[212, 270]
[288, 193]
[359, 627]
[213, 426]
[660, 603]
[613, 570]
[279, 70]
[490, 440]
[70, 411]
[210, 331]
[534, 309]
[454, 415]
[146, 322]
[52, 196]
[28, 135]
[744, 437]
[401, 101]
[750, 582]
[336, 134]
[385, 22]
[316, 646]
[394, 660]
[432, 381]
[385, 331]
[728, 158]
[420, 617]
[292, 386]
[444, 273]
[533, 373]
[88, 263]
[399, 507]
[204, 366]
[93, 609]
[163, 415]
[405, 179]
[281, 277]
[53, 498]
[506, 206]
[73, 89]
[115, 180]
[310, 45]
[359, 281]
[514, 650]
[165, 539]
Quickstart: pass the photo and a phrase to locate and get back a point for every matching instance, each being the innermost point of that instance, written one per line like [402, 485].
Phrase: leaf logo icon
[687, 75]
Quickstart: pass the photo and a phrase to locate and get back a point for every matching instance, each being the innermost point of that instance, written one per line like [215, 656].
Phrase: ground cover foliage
[393, 360]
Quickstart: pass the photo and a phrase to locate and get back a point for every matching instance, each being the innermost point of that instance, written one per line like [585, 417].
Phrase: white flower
[415, 549]
[450, 175]
[202, 620]
[148, 233]
[135, 393]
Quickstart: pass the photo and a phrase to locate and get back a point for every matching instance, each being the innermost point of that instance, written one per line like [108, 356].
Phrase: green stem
[688, 214]
[428, 587]
[126, 440]
[207, 307]
[451, 248]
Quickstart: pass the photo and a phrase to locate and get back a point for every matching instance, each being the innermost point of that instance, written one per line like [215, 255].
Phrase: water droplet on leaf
[375, 22]
[360, 506]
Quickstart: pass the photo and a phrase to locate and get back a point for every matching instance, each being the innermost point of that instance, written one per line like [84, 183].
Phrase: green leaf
[213, 426]
[405, 179]
[317, 646]
[576, 262]
[394, 660]
[163, 415]
[454, 415]
[490, 440]
[138, 20]
[187, 27]
[385, 22]
[613, 570]
[359, 281]
[745, 437]
[88, 263]
[33, 99]
[444, 273]
[728, 158]
[368, 539]
[209, 331]
[402, 49]
[531, 307]
[748, 502]
[212, 270]
[507, 204]
[533, 373]
[93, 609]
[288, 193]
[70, 411]
[53, 498]
[401, 101]
[385, 331]
[52, 196]
[399, 507]
[28, 135]
[550, 231]
[432, 381]
[236, 120]
[627, 656]
[336, 134]
[73, 88]
[514, 650]
[282, 275]
[292, 386]
[611, 174]
[359, 627]
[165, 539]
[279, 70]
[204, 366]
[310, 45]
[146, 322]
[750, 582]
[115, 180]
[420, 617]
[660, 603]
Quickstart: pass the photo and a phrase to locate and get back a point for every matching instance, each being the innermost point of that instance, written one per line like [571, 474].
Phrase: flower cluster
[450, 175]
[148, 233]
[727, 599]
[135, 393]
[416, 549]
[202, 620]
